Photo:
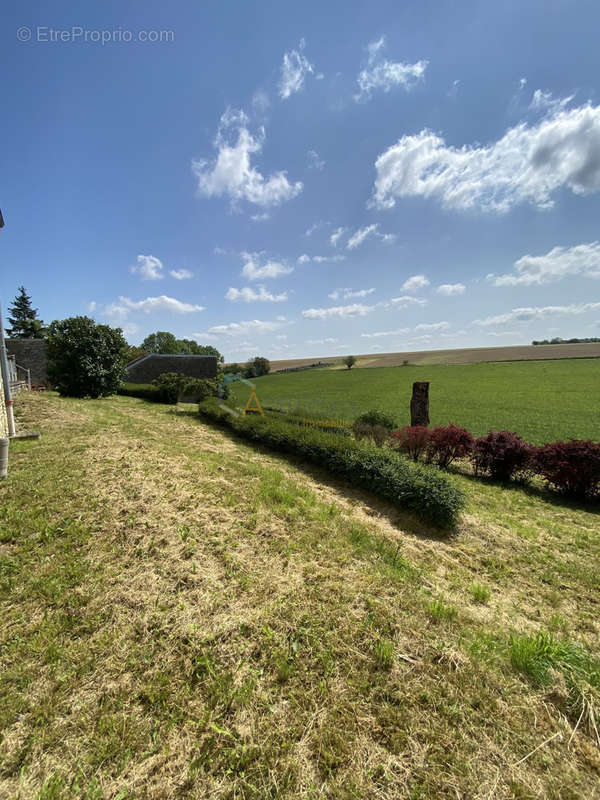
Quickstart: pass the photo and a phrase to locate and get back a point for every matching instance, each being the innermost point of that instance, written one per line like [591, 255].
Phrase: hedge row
[419, 489]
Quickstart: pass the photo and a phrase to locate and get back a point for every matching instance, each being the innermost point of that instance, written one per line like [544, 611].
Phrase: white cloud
[405, 301]
[378, 334]
[432, 326]
[558, 263]
[149, 268]
[359, 236]
[239, 329]
[255, 271]
[386, 75]
[348, 294]
[354, 310]
[315, 227]
[294, 69]
[181, 274]
[219, 251]
[260, 217]
[528, 164]
[231, 172]
[314, 160]
[336, 236]
[451, 289]
[542, 101]
[537, 313]
[305, 259]
[92, 306]
[322, 341]
[161, 303]
[250, 295]
[414, 283]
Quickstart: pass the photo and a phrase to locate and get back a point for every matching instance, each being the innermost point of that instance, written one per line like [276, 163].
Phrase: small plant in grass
[383, 651]
[502, 454]
[439, 611]
[541, 656]
[447, 443]
[480, 594]
[572, 468]
[413, 440]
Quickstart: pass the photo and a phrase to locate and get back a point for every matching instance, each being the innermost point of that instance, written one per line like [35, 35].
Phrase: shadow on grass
[376, 506]
[536, 491]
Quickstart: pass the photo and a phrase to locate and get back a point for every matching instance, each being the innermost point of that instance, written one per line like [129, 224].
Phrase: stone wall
[30, 354]
[145, 369]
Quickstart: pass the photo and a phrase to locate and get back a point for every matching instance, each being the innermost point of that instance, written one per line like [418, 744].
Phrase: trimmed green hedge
[146, 391]
[416, 488]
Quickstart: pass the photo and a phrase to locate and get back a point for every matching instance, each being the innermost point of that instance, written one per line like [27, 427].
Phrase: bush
[85, 359]
[377, 433]
[170, 386]
[447, 443]
[572, 468]
[416, 488]
[501, 454]
[199, 389]
[376, 417]
[146, 391]
[412, 440]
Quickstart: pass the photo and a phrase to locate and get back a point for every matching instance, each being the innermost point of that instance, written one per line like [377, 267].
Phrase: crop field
[186, 615]
[540, 400]
[466, 355]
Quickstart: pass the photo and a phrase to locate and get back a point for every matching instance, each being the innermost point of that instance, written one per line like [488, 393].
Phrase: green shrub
[170, 386]
[85, 359]
[419, 489]
[146, 391]
[201, 388]
[376, 417]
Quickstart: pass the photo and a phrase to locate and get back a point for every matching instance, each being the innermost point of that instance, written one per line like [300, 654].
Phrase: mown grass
[540, 400]
[183, 615]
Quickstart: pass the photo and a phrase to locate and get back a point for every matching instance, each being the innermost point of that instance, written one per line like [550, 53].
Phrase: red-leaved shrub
[412, 440]
[447, 443]
[571, 467]
[501, 454]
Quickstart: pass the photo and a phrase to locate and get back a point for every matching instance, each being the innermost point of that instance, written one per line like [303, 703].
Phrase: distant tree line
[574, 340]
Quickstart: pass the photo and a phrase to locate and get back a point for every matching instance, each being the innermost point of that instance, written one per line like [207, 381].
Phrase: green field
[540, 400]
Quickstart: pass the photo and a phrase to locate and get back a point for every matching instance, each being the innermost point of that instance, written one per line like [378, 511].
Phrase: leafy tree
[165, 343]
[257, 367]
[160, 342]
[23, 318]
[85, 359]
[132, 352]
[350, 361]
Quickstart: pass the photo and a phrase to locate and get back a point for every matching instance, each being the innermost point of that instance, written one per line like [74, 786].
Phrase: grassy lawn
[186, 616]
[540, 400]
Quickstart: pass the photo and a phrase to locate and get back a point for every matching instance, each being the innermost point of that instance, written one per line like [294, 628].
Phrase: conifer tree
[23, 319]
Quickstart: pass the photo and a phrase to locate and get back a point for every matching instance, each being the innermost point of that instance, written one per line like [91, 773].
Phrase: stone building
[146, 368]
[30, 354]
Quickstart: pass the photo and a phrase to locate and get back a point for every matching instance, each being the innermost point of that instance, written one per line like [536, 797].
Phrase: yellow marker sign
[256, 408]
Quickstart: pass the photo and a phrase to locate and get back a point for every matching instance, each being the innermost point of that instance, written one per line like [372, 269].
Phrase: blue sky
[307, 179]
